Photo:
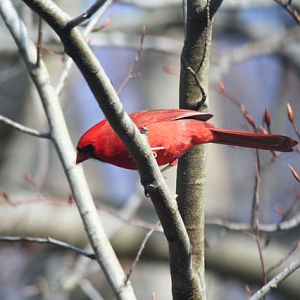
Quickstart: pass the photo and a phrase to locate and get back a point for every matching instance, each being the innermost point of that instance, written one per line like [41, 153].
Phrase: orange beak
[81, 156]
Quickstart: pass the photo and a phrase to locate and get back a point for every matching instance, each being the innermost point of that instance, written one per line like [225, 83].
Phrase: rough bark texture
[191, 168]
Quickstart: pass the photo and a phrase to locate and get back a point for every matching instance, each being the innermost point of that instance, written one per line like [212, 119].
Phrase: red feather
[171, 133]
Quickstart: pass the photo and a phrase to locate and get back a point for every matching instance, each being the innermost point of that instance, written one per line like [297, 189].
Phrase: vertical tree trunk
[191, 168]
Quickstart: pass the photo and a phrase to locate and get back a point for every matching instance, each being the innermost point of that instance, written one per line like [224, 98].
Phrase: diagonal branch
[88, 29]
[272, 284]
[288, 6]
[47, 240]
[23, 128]
[214, 6]
[86, 15]
[139, 253]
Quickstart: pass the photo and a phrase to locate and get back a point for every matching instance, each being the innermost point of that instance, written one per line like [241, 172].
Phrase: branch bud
[267, 118]
[290, 113]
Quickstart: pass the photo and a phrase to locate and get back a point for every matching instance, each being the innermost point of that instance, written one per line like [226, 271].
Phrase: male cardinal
[170, 133]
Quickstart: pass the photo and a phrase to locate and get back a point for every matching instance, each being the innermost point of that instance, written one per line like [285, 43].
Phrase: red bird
[170, 133]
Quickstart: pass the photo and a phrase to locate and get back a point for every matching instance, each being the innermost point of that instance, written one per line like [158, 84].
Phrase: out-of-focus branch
[272, 284]
[292, 223]
[139, 253]
[24, 129]
[91, 292]
[280, 42]
[87, 14]
[285, 257]
[61, 139]
[49, 241]
[255, 215]
[288, 6]
[88, 29]
[132, 74]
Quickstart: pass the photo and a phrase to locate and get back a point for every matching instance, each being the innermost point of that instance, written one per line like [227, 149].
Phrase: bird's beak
[81, 157]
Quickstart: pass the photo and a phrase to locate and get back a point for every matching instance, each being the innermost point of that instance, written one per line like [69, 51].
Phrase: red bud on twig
[222, 87]
[267, 118]
[250, 120]
[291, 113]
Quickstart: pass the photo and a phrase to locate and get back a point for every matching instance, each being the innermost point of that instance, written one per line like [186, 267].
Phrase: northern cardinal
[170, 133]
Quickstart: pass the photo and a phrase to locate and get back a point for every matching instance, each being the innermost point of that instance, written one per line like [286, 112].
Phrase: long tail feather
[253, 140]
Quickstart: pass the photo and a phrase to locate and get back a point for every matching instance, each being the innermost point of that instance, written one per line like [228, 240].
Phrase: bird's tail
[273, 142]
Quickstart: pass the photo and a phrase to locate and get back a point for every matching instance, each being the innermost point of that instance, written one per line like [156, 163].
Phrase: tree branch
[86, 15]
[47, 240]
[292, 223]
[24, 129]
[88, 29]
[288, 6]
[191, 167]
[272, 284]
[139, 253]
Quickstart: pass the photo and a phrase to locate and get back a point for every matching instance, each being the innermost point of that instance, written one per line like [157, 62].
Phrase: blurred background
[254, 65]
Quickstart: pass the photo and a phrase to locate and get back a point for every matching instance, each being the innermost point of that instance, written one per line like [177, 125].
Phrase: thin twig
[120, 215]
[39, 41]
[102, 26]
[90, 291]
[285, 258]
[86, 15]
[261, 256]
[289, 211]
[286, 225]
[296, 130]
[47, 240]
[287, 5]
[266, 228]
[39, 199]
[135, 222]
[132, 74]
[202, 91]
[24, 129]
[206, 37]
[250, 120]
[138, 255]
[88, 29]
[256, 196]
[273, 283]
[255, 215]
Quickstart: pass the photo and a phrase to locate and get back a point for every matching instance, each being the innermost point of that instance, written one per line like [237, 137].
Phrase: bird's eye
[87, 149]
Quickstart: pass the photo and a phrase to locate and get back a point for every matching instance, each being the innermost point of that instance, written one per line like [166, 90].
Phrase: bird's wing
[143, 118]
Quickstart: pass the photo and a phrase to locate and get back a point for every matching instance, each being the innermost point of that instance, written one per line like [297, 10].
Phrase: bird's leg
[145, 133]
[156, 149]
[169, 165]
